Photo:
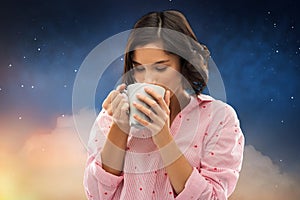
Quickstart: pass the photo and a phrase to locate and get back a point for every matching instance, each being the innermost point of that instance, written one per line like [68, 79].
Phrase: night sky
[255, 45]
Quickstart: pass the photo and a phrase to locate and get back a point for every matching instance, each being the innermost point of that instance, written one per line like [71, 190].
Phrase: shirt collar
[204, 97]
[196, 101]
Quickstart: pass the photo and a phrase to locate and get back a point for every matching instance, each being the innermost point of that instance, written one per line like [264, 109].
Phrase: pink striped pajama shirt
[207, 131]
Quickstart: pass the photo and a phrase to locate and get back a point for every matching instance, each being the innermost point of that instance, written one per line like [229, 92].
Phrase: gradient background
[255, 44]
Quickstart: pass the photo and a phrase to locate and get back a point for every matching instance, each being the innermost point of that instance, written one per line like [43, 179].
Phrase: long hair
[159, 27]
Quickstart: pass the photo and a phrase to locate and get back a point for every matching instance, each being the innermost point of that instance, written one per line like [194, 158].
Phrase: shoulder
[215, 106]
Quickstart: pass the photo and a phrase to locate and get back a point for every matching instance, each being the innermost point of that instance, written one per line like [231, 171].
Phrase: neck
[177, 103]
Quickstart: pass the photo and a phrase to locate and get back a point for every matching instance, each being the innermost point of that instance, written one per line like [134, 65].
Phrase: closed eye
[139, 68]
[161, 68]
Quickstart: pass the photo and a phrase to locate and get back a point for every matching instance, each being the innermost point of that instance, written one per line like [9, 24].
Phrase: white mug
[132, 90]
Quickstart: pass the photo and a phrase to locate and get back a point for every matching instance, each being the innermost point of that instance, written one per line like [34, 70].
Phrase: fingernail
[147, 89]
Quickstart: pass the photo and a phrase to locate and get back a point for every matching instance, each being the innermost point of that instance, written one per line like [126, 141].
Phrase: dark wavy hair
[160, 27]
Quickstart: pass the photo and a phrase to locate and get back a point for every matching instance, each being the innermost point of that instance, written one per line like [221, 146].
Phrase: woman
[195, 146]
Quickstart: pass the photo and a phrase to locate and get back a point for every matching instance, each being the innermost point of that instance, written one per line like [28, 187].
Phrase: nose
[150, 77]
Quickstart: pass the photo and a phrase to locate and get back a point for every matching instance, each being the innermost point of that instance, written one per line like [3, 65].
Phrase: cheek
[138, 77]
[171, 81]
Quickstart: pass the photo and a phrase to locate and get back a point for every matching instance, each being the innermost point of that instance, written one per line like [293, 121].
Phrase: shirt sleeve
[98, 183]
[221, 159]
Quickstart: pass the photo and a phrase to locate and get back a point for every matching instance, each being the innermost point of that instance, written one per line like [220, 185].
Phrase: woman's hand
[159, 113]
[117, 106]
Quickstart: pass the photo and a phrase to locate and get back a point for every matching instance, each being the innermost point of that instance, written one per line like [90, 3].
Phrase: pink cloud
[262, 179]
[48, 165]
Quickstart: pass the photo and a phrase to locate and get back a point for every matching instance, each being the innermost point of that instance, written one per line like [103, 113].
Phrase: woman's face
[151, 64]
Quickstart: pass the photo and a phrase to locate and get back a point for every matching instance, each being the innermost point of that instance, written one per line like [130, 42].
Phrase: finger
[160, 100]
[121, 87]
[117, 101]
[110, 98]
[107, 104]
[167, 99]
[151, 103]
[121, 111]
[148, 112]
[124, 107]
[107, 101]
[121, 108]
[142, 108]
[151, 126]
[141, 120]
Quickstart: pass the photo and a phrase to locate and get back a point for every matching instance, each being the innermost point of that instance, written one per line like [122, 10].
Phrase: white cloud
[262, 179]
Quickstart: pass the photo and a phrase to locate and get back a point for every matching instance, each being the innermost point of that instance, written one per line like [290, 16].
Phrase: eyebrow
[158, 62]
